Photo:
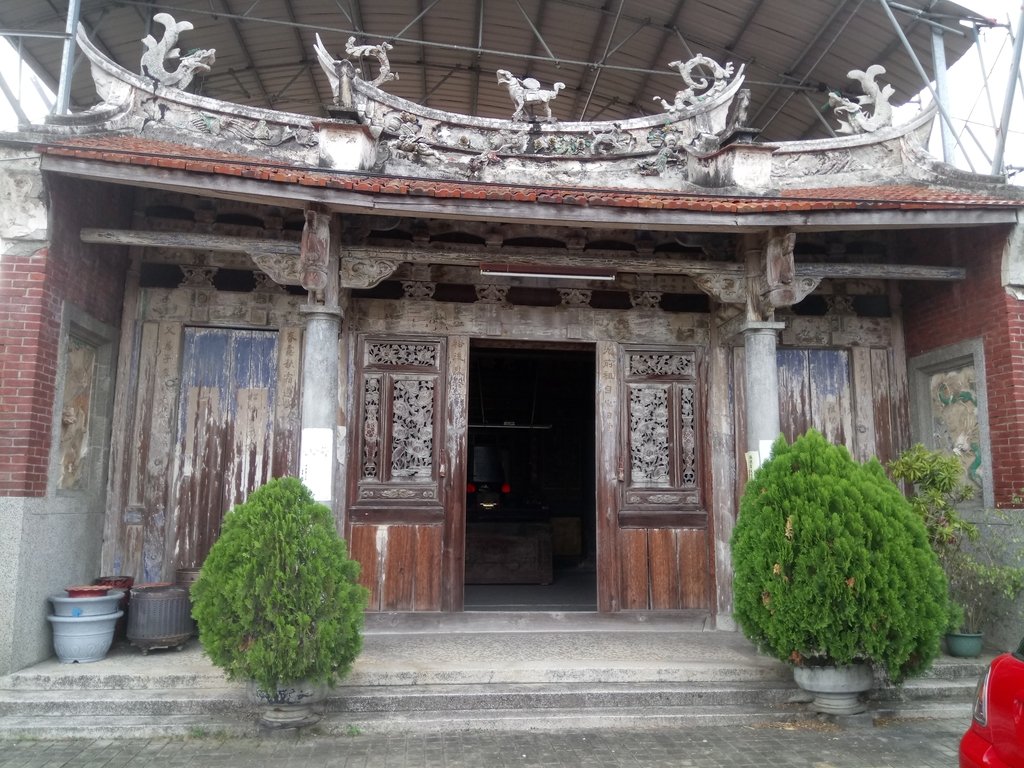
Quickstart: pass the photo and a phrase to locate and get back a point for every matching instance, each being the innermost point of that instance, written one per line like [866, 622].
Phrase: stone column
[320, 367]
[762, 384]
[318, 267]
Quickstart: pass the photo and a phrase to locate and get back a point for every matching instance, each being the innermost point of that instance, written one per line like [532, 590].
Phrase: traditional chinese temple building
[528, 363]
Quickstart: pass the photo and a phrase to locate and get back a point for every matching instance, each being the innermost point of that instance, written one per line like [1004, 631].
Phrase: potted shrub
[986, 580]
[833, 572]
[277, 601]
[984, 573]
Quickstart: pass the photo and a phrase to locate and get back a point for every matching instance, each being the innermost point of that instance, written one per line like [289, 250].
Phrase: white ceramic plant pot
[83, 638]
[836, 690]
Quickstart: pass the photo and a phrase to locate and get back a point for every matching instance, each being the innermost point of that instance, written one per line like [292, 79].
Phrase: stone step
[439, 698]
[432, 722]
[929, 689]
[501, 671]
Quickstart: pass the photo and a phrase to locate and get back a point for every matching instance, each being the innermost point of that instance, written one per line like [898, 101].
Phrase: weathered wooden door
[225, 432]
[214, 413]
[653, 537]
[399, 515]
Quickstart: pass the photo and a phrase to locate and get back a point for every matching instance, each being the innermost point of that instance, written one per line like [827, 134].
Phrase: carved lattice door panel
[662, 431]
[661, 557]
[396, 467]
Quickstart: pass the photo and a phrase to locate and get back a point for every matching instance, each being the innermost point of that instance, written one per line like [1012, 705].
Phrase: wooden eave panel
[295, 195]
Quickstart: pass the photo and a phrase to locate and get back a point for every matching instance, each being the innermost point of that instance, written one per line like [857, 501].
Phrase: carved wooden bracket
[772, 280]
[314, 252]
[365, 272]
[728, 289]
[282, 268]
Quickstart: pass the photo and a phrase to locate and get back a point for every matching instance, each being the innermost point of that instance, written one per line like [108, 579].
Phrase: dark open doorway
[530, 497]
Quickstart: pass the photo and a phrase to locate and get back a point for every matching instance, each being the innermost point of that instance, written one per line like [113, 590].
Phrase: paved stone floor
[921, 744]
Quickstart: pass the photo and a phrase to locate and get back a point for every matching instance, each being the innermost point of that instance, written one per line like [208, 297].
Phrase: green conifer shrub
[277, 599]
[832, 566]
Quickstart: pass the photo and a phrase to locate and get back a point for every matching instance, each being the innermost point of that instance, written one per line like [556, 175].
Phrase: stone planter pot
[836, 689]
[291, 705]
[83, 638]
[964, 645]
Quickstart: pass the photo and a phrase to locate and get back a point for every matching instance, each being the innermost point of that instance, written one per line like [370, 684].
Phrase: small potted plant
[986, 581]
[983, 571]
[833, 573]
[277, 601]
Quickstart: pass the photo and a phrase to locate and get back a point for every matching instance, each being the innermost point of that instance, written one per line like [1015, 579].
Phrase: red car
[996, 736]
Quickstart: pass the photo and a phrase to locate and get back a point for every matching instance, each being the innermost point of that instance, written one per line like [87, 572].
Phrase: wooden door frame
[453, 475]
[610, 471]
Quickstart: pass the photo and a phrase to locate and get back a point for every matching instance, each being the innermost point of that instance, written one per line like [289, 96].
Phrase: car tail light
[471, 488]
[506, 488]
[980, 713]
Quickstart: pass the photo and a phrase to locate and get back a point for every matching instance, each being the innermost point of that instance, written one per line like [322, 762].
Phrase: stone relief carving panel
[954, 418]
[253, 131]
[79, 379]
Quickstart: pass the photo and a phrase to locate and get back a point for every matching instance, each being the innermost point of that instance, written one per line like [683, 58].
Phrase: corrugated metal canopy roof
[612, 55]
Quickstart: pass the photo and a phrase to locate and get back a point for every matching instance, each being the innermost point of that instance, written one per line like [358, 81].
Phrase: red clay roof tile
[164, 154]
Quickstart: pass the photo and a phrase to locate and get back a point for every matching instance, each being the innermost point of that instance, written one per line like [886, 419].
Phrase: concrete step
[384, 699]
[553, 720]
[427, 673]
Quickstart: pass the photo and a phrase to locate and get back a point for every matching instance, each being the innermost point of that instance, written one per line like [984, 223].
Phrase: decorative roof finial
[379, 52]
[528, 91]
[698, 88]
[857, 121]
[198, 62]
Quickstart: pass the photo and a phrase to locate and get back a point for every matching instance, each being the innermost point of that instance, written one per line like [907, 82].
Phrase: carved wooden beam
[192, 240]
[281, 257]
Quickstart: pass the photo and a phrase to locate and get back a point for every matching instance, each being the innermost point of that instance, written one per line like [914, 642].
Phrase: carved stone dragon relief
[379, 52]
[851, 115]
[158, 53]
[698, 87]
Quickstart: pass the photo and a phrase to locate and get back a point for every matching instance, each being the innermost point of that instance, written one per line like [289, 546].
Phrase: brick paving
[814, 744]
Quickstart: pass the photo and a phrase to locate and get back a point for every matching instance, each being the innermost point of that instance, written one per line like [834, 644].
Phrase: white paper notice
[315, 462]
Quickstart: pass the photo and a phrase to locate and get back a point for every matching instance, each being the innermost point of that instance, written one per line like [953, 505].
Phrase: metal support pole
[942, 87]
[13, 100]
[67, 59]
[924, 76]
[1011, 86]
[984, 73]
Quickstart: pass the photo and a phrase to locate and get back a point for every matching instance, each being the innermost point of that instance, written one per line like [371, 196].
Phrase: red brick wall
[33, 289]
[939, 314]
